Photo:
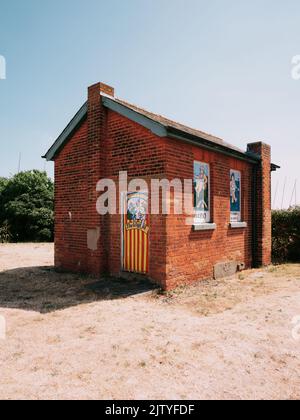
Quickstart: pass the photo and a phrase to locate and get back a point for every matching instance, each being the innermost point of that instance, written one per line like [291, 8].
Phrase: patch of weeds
[210, 296]
[257, 356]
[40, 319]
[47, 269]
[48, 306]
[170, 294]
[272, 269]
[24, 297]
[159, 292]
[261, 283]
[147, 328]
[203, 312]
[17, 355]
[54, 340]
[54, 373]
[115, 347]
[81, 376]
[90, 330]
[142, 364]
[196, 346]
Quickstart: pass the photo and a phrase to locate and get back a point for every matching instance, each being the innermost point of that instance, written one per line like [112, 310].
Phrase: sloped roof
[161, 126]
[173, 124]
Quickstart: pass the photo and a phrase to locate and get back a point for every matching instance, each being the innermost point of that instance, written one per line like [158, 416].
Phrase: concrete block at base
[225, 269]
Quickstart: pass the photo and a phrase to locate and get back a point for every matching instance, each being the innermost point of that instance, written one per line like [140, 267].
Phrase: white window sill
[205, 226]
[238, 225]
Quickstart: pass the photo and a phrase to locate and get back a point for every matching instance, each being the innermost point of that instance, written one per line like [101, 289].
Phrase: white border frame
[241, 192]
[124, 201]
[196, 221]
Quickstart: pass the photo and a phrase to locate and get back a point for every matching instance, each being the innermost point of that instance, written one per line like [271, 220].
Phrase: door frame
[124, 213]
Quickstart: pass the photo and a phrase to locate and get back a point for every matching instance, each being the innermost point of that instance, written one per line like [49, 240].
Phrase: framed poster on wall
[201, 192]
[235, 196]
[136, 225]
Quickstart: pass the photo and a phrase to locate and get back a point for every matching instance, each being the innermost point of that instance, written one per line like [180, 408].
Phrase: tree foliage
[26, 207]
[286, 235]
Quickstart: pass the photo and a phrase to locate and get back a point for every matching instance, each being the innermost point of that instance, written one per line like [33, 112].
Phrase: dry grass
[69, 337]
[216, 296]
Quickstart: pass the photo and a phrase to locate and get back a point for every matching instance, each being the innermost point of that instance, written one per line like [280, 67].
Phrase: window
[201, 193]
[235, 197]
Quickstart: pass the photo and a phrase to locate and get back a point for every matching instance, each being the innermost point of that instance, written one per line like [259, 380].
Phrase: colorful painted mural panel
[235, 196]
[136, 233]
[201, 192]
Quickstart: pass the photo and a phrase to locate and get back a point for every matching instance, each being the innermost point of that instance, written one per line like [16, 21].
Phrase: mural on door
[136, 233]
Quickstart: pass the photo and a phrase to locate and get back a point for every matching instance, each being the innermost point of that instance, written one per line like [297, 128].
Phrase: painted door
[136, 233]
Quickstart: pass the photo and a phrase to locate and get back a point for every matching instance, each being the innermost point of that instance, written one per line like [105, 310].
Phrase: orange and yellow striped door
[136, 233]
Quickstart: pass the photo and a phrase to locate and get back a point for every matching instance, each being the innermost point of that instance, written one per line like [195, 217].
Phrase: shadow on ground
[44, 290]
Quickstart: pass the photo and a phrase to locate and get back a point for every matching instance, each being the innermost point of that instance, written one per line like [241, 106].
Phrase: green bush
[27, 207]
[286, 235]
[5, 235]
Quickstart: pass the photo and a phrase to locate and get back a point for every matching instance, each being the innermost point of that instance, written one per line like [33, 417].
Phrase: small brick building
[232, 197]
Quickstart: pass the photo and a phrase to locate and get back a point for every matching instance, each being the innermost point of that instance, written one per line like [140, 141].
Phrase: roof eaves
[209, 145]
[274, 167]
[163, 128]
[133, 115]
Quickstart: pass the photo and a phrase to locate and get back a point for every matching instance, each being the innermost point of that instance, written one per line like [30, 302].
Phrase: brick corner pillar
[262, 196]
[96, 155]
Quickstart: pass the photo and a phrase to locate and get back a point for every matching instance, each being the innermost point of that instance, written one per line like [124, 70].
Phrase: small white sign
[201, 217]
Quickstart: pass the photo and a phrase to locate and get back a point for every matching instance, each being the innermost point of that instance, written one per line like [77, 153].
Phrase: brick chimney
[262, 217]
[96, 151]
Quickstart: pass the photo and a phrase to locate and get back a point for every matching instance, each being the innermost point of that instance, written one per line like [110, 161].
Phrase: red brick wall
[97, 256]
[191, 255]
[108, 143]
[136, 150]
[71, 194]
[78, 168]
[263, 214]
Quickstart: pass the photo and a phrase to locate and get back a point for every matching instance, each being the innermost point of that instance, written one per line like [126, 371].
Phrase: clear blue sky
[223, 67]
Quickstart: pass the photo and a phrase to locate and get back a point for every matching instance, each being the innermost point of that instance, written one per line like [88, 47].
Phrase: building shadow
[44, 290]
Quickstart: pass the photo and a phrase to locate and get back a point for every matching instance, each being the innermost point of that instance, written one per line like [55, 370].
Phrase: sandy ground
[71, 338]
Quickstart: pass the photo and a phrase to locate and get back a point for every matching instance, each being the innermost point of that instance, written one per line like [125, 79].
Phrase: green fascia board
[166, 131]
[155, 127]
[208, 145]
